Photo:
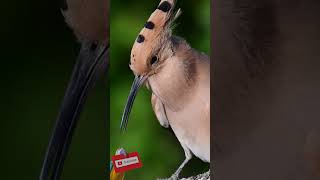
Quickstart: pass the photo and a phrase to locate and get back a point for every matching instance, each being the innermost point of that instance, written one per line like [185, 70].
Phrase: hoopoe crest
[153, 40]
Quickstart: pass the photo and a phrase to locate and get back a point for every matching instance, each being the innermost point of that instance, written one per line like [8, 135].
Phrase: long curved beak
[138, 81]
[91, 63]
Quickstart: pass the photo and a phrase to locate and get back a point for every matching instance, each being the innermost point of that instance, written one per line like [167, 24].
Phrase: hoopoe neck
[175, 82]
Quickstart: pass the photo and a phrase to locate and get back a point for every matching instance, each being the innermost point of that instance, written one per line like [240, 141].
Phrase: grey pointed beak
[91, 63]
[138, 81]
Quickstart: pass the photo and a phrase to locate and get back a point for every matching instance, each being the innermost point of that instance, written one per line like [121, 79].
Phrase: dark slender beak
[91, 63]
[138, 81]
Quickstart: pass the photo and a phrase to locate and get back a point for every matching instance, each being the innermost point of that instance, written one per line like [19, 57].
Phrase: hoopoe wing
[159, 111]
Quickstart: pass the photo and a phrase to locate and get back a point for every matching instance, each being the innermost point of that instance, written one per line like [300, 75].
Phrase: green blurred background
[160, 151]
[38, 52]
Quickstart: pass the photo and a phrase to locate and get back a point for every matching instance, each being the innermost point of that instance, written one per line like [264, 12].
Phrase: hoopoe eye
[154, 60]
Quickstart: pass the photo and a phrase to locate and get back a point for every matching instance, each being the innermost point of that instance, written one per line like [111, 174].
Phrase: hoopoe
[178, 77]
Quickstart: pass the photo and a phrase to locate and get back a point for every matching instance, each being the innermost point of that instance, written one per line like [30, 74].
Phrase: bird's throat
[174, 83]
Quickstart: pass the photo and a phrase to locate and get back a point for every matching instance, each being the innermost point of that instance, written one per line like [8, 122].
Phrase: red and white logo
[122, 163]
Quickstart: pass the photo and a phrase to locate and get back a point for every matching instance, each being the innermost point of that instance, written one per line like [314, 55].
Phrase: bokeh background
[38, 52]
[159, 149]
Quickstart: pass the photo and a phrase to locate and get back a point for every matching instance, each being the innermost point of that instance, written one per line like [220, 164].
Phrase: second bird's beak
[92, 62]
[138, 81]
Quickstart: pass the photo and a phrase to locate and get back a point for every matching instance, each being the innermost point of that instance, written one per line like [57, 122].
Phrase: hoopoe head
[151, 49]
[153, 46]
